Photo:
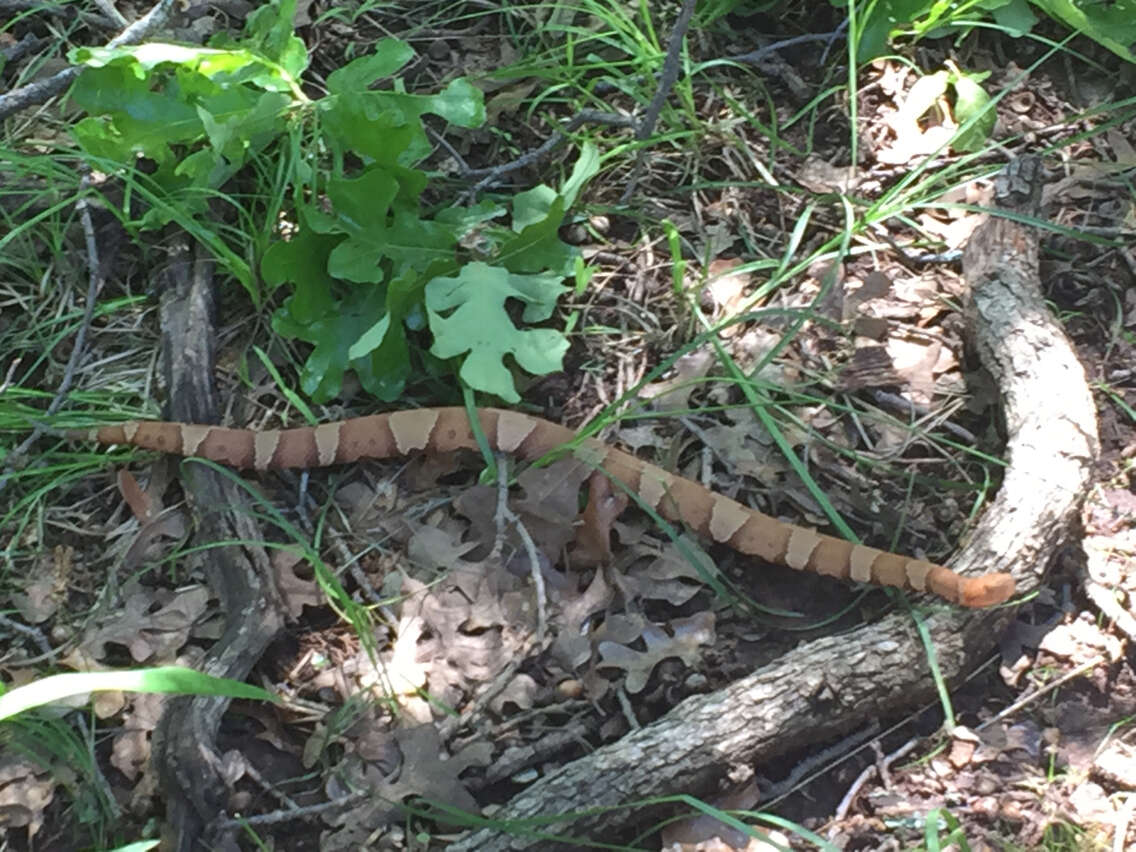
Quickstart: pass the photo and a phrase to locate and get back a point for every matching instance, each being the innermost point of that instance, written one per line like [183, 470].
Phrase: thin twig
[452, 724]
[94, 284]
[7, 381]
[670, 73]
[267, 786]
[108, 9]
[886, 399]
[628, 710]
[489, 177]
[1033, 696]
[880, 766]
[537, 576]
[32, 633]
[97, 774]
[42, 91]
[500, 516]
[25, 46]
[445, 143]
[1123, 818]
[667, 80]
[288, 814]
[67, 13]
[505, 517]
[810, 764]
[755, 57]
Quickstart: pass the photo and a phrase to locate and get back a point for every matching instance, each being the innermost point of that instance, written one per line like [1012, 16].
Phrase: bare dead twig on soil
[537, 577]
[880, 768]
[810, 766]
[268, 787]
[108, 9]
[756, 57]
[519, 758]
[59, 11]
[489, 177]
[505, 518]
[895, 402]
[449, 728]
[500, 521]
[346, 557]
[32, 633]
[1025, 700]
[27, 45]
[224, 825]
[626, 708]
[94, 284]
[646, 125]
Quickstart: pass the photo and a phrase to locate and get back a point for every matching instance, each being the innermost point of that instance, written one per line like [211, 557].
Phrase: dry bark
[831, 685]
[239, 575]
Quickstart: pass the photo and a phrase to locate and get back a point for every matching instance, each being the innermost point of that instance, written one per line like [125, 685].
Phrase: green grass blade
[164, 679]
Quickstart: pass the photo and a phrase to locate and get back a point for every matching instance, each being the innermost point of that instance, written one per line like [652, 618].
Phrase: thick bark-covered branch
[185, 753]
[830, 685]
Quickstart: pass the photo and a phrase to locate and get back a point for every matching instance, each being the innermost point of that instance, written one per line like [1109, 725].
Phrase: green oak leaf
[242, 121]
[382, 372]
[534, 206]
[1015, 15]
[302, 260]
[380, 231]
[268, 31]
[128, 117]
[389, 55]
[468, 317]
[384, 125]
[1110, 24]
[971, 100]
[538, 245]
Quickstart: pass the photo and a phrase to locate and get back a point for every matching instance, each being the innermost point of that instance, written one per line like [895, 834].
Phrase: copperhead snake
[675, 498]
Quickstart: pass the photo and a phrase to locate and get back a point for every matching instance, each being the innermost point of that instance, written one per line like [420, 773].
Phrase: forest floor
[1043, 755]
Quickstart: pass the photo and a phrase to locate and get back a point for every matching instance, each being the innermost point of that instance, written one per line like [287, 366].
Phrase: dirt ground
[1043, 755]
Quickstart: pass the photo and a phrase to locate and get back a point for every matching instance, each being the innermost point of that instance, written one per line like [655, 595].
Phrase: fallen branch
[829, 686]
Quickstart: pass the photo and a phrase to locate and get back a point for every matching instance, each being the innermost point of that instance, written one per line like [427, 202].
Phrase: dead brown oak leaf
[673, 393]
[737, 446]
[672, 576]
[690, 634]
[593, 534]
[153, 624]
[573, 646]
[47, 586]
[26, 790]
[130, 754]
[296, 591]
[451, 634]
[423, 772]
[547, 506]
